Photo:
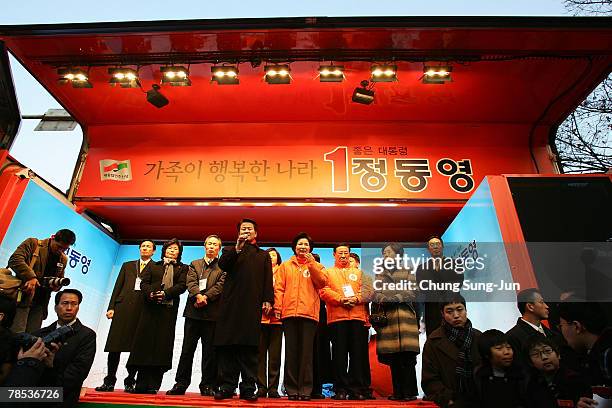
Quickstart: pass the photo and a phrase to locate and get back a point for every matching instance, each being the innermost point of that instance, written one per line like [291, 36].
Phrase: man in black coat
[124, 309]
[204, 284]
[533, 310]
[247, 290]
[436, 271]
[73, 360]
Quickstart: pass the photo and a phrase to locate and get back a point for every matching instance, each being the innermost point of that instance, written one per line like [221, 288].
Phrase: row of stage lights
[177, 75]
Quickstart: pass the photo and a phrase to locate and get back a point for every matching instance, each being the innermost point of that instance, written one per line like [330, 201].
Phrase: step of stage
[119, 399]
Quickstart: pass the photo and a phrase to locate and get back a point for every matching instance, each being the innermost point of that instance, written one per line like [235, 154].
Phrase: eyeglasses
[560, 325]
[541, 353]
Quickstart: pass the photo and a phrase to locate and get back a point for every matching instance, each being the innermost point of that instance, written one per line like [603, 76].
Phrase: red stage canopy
[513, 82]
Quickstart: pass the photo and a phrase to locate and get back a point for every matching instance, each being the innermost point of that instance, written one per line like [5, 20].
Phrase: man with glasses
[33, 261]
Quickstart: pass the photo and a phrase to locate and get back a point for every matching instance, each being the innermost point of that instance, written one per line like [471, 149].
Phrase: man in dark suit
[75, 356]
[124, 309]
[436, 271]
[247, 290]
[32, 261]
[204, 284]
[533, 310]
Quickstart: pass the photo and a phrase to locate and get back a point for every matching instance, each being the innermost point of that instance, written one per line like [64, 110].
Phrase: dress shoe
[249, 396]
[395, 397]
[273, 395]
[409, 398]
[292, 397]
[207, 391]
[339, 396]
[129, 388]
[220, 395]
[177, 390]
[317, 396]
[261, 394]
[357, 397]
[304, 397]
[105, 388]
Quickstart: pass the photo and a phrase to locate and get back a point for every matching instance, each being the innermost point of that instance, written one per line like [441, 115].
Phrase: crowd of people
[242, 303]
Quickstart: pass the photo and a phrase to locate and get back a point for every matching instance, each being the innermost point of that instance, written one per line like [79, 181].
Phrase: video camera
[59, 335]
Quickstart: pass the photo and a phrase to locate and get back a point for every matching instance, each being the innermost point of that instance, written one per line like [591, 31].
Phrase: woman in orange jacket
[296, 303]
[270, 344]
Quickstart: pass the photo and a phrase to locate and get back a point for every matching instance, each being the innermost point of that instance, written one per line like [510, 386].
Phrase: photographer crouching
[59, 355]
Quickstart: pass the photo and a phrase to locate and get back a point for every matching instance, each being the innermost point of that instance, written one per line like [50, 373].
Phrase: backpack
[10, 285]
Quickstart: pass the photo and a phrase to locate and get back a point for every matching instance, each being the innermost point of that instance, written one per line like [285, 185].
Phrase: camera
[49, 281]
[59, 335]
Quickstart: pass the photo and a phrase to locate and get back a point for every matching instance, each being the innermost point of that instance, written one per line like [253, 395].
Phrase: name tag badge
[202, 283]
[348, 290]
[137, 283]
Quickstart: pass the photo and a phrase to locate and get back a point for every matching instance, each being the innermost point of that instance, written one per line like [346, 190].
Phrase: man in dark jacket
[204, 284]
[583, 325]
[73, 361]
[247, 290]
[124, 309]
[449, 357]
[437, 271]
[33, 261]
[533, 310]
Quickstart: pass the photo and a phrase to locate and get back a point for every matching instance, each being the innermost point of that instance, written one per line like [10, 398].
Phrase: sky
[42, 151]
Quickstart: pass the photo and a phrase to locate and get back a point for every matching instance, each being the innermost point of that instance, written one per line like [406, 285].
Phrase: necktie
[142, 266]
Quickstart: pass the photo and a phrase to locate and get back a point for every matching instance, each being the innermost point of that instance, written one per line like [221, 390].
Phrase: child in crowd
[552, 386]
[499, 379]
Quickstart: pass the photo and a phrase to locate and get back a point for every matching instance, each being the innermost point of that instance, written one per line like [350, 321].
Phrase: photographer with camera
[20, 364]
[36, 262]
[71, 363]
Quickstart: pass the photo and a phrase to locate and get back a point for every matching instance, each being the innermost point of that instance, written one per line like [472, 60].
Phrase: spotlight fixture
[225, 74]
[124, 77]
[155, 98]
[363, 94]
[175, 76]
[76, 76]
[436, 74]
[277, 74]
[384, 73]
[331, 73]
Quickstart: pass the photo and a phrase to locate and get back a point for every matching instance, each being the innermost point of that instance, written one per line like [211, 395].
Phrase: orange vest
[333, 292]
[296, 291]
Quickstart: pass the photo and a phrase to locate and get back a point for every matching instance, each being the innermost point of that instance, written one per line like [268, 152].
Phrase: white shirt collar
[144, 262]
[536, 328]
[57, 325]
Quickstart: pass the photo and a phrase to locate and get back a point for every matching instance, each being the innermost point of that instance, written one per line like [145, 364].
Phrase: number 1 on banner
[339, 160]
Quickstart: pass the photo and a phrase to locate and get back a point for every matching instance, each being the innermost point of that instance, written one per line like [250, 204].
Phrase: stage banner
[374, 170]
[90, 260]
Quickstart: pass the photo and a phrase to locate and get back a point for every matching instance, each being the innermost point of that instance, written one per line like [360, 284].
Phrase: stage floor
[119, 399]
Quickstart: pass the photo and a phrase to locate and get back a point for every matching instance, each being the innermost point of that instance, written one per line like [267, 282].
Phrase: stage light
[363, 95]
[277, 74]
[76, 76]
[384, 73]
[124, 77]
[331, 73]
[175, 76]
[155, 98]
[225, 74]
[436, 74]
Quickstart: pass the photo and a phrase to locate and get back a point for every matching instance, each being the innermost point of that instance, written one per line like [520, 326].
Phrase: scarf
[462, 338]
[168, 278]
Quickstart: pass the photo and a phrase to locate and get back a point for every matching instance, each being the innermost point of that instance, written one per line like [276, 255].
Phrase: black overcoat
[248, 284]
[127, 304]
[154, 336]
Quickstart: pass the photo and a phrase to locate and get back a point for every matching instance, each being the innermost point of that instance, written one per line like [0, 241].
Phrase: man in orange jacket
[345, 295]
